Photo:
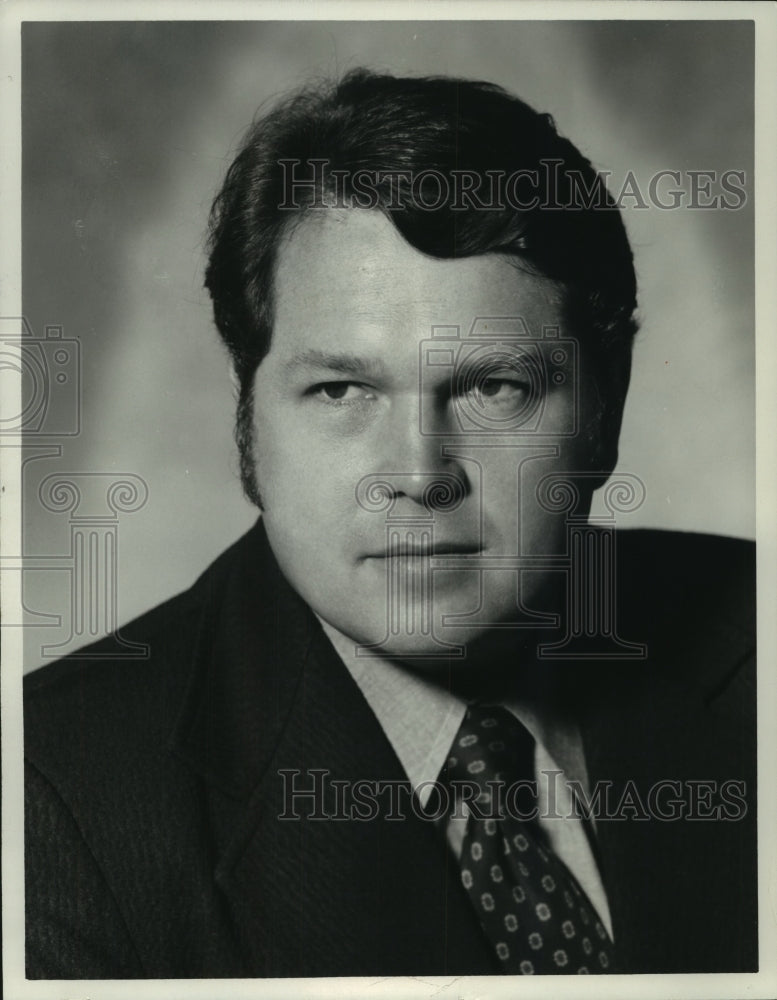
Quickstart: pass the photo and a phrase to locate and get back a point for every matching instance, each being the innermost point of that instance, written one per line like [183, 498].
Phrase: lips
[418, 551]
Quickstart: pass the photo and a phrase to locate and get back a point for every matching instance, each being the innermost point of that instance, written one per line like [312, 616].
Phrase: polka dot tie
[531, 908]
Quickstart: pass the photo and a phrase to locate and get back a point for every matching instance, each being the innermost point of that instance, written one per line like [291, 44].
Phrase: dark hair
[570, 230]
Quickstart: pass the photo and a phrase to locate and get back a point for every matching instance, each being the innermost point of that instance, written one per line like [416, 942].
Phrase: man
[425, 718]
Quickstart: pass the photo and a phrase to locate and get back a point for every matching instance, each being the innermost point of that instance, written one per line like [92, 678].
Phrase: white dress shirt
[421, 719]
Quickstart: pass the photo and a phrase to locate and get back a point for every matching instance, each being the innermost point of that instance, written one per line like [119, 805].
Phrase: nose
[413, 459]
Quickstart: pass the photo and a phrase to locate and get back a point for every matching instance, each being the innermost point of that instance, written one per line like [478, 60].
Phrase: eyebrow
[345, 364]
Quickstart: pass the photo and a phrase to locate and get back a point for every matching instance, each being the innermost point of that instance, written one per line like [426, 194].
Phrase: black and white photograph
[388, 500]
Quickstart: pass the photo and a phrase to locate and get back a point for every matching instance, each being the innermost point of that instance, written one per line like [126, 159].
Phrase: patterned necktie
[530, 906]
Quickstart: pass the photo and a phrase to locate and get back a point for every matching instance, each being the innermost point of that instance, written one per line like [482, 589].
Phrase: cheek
[302, 485]
[277, 462]
[527, 499]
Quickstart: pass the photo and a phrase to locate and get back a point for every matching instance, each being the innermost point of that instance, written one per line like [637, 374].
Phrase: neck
[500, 665]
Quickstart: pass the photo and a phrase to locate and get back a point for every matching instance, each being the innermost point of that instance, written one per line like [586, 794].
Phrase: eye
[341, 393]
[495, 392]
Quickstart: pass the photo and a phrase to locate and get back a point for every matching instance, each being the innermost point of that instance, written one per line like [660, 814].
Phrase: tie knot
[491, 745]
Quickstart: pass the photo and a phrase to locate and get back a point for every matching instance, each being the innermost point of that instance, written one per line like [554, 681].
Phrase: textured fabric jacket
[153, 843]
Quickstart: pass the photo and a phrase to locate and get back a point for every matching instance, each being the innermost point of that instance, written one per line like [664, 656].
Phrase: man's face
[399, 464]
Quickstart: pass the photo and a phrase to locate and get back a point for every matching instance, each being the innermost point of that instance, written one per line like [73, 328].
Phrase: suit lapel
[269, 705]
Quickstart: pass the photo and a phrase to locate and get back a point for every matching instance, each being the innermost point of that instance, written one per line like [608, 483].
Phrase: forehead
[342, 273]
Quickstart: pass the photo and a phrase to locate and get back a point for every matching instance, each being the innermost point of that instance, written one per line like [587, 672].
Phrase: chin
[447, 647]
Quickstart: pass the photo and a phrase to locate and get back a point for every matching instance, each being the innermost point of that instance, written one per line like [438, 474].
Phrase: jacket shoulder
[110, 698]
[688, 583]
[114, 817]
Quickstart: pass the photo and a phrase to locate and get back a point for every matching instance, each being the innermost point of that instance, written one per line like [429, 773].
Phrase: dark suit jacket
[153, 844]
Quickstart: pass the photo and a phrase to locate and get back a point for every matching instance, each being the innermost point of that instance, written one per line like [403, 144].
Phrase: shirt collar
[421, 717]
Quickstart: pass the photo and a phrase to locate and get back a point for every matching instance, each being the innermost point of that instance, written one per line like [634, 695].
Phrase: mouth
[415, 550]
